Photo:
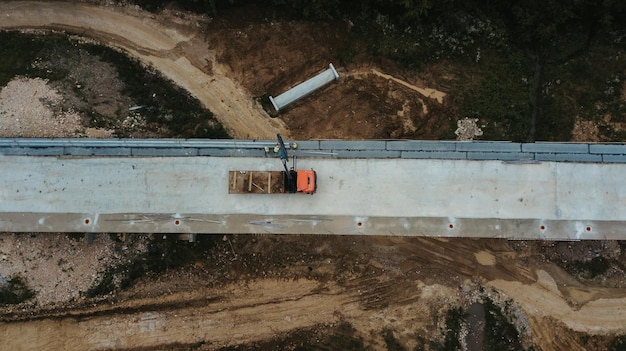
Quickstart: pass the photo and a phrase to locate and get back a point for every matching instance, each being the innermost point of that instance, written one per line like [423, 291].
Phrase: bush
[593, 268]
[15, 292]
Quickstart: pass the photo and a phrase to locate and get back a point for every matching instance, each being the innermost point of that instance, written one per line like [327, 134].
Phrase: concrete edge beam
[96, 151]
[32, 151]
[558, 157]
[504, 156]
[416, 145]
[10, 150]
[154, 143]
[304, 144]
[174, 223]
[164, 152]
[556, 148]
[352, 145]
[607, 148]
[233, 152]
[368, 154]
[118, 151]
[315, 153]
[495, 147]
[82, 151]
[434, 155]
[614, 158]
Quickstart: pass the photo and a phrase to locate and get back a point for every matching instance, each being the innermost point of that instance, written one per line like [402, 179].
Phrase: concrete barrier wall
[406, 149]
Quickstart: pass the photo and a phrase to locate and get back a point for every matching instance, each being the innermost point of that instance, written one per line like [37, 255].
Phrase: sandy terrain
[266, 287]
[179, 52]
[252, 289]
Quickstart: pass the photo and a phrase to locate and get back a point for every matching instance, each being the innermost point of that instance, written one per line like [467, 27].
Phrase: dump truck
[273, 182]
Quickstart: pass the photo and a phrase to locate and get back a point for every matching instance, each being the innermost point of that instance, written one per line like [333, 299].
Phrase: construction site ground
[284, 292]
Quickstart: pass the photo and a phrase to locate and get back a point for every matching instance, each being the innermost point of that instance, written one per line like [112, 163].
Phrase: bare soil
[373, 98]
[284, 292]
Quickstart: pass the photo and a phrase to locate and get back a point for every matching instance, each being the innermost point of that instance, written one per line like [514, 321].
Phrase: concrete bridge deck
[551, 191]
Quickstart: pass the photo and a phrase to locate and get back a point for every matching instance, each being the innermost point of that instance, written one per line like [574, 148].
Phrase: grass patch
[162, 254]
[267, 106]
[590, 87]
[497, 91]
[500, 333]
[617, 344]
[18, 51]
[15, 291]
[75, 236]
[342, 337]
[391, 342]
[590, 269]
[169, 110]
[166, 104]
[454, 319]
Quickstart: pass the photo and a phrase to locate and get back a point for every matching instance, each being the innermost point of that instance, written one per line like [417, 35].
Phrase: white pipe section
[303, 89]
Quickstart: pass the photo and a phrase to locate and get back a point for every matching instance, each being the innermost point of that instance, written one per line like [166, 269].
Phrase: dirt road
[176, 49]
[229, 316]
[274, 287]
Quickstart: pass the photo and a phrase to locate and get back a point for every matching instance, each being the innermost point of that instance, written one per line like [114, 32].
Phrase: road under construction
[550, 191]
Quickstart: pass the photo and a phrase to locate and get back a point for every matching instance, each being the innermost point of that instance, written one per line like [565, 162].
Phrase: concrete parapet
[567, 157]
[352, 145]
[607, 148]
[368, 154]
[504, 156]
[614, 158]
[476, 150]
[494, 147]
[164, 152]
[570, 148]
[421, 145]
[450, 155]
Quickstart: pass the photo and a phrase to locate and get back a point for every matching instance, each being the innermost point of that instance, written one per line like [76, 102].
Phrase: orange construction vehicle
[273, 182]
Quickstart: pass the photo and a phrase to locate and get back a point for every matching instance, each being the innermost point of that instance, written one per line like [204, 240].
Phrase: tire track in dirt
[173, 51]
[599, 315]
[426, 92]
[247, 313]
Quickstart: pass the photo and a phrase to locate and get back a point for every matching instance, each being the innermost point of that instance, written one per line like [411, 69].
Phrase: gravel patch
[56, 267]
[31, 108]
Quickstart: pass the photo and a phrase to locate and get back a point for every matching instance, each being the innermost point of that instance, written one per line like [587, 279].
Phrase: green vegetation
[168, 108]
[75, 236]
[391, 342]
[528, 69]
[592, 268]
[617, 344]
[166, 103]
[161, 255]
[19, 51]
[342, 337]
[500, 333]
[15, 291]
[454, 319]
